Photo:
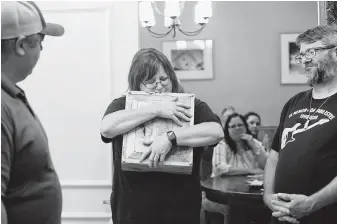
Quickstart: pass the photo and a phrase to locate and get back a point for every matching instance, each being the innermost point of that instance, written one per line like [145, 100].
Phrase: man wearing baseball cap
[30, 187]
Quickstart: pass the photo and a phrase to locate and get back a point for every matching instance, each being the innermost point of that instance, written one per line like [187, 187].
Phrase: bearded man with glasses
[301, 172]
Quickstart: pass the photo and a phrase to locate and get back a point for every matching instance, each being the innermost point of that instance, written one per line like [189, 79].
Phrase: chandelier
[172, 12]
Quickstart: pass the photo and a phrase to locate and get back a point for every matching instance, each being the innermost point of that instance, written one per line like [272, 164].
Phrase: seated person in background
[225, 113]
[254, 123]
[239, 153]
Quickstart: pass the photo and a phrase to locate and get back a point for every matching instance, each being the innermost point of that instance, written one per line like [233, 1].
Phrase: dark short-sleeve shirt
[30, 188]
[157, 197]
[307, 157]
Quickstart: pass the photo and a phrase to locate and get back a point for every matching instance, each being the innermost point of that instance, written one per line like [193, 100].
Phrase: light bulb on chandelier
[172, 12]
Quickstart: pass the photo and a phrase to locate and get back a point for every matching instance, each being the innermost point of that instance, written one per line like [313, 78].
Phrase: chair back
[206, 163]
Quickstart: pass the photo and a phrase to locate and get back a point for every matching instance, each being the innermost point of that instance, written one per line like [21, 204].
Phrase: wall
[246, 53]
[76, 78]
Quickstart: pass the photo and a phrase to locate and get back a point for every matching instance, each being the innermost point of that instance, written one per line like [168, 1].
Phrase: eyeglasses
[311, 53]
[236, 126]
[152, 84]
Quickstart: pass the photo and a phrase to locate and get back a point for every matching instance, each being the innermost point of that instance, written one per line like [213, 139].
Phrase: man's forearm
[269, 173]
[326, 196]
[262, 159]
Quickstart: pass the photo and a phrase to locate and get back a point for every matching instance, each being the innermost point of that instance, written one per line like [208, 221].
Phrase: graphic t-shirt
[307, 147]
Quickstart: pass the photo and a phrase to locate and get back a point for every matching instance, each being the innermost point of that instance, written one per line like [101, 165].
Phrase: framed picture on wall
[291, 72]
[191, 59]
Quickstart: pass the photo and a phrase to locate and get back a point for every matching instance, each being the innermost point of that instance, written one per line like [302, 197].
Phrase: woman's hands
[173, 110]
[248, 138]
[157, 150]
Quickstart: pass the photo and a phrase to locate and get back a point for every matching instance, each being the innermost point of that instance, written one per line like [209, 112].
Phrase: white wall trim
[86, 215]
[85, 183]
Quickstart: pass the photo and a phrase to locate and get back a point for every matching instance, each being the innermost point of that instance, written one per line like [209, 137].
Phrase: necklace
[308, 120]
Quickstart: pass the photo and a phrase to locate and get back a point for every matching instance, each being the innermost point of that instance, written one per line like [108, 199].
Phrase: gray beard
[317, 76]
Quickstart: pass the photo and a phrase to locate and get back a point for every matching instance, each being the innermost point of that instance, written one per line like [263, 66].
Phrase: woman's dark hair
[251, 113]
[145, 65]
[230, 142]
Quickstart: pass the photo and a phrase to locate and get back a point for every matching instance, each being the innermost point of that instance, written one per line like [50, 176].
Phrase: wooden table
[235, 192]
[231, 190]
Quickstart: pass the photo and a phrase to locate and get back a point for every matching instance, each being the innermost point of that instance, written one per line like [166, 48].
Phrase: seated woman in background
[239, 153]
[254, 123]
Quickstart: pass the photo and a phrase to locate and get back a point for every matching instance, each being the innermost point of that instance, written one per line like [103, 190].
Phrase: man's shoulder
[7, 121]
[298, 96]
[302, 94]
[4, 96]
[6, 102]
